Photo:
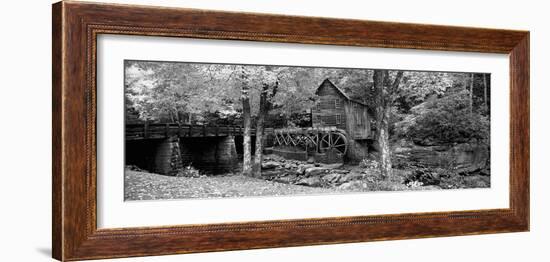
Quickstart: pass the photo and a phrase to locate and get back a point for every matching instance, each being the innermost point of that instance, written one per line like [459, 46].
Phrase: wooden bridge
[161, 131]
[166, 148]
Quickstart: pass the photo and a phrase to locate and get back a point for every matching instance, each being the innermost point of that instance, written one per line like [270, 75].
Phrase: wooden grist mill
[340, 130]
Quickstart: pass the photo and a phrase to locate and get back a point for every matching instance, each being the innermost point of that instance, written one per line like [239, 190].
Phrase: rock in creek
[425, 176]
[350, 177]
[286, 179]
[314, 181]
[270, 165]
[332, 178]
[352, 185]
[304, 173]
[302, 168]
[315, 171]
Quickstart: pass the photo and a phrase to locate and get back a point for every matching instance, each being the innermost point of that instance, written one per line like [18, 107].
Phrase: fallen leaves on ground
[148, 186]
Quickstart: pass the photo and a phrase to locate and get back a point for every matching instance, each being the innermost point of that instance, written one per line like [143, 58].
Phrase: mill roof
[340, 91]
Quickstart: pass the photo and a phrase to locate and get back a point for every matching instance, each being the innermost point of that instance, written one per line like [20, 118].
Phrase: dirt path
[147, 186]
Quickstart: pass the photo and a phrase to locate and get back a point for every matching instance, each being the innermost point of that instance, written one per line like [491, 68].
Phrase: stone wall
[464, 158]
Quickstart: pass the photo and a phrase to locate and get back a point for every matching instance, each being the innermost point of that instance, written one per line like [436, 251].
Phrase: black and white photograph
[209, 130]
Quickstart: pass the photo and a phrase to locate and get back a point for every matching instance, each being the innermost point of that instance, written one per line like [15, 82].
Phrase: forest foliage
[446, 120]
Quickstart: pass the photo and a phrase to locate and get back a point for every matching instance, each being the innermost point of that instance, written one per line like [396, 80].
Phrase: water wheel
[333, 141]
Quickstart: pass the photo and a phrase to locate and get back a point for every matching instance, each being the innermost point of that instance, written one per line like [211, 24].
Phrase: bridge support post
[226, 153]
[167, 159]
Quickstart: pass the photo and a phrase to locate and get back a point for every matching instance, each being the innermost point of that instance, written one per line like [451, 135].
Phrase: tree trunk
[383, 143]
[384, 91]
[171, 116]
[265, 106]
[247, 163]
[177, 114]
[485, 92]
[472, 94]
[258, 155]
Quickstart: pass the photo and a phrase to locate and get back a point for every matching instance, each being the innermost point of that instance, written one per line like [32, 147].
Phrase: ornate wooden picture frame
[76, 26]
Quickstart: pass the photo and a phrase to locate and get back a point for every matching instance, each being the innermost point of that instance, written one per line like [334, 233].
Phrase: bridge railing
[158, 131]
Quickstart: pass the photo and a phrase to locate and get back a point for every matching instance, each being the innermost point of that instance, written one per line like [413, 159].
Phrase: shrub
[189, 171]
[369, 164]
[447, 120]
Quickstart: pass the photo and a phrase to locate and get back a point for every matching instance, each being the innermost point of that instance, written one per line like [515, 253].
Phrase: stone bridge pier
[213, 154]
[169, 155]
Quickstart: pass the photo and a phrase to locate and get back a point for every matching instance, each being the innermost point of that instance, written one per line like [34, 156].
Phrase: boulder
[485, 172]
[315, 171]
[425, 176]
[332, 166]
[351, 176]
[352, 185]
[314, 181]
[331, 178]
[290, 165]
[270, 165]
[287, 179]
[340, 171]
[431, 187]
[269, 174]
[477, 181]
[302, 169]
